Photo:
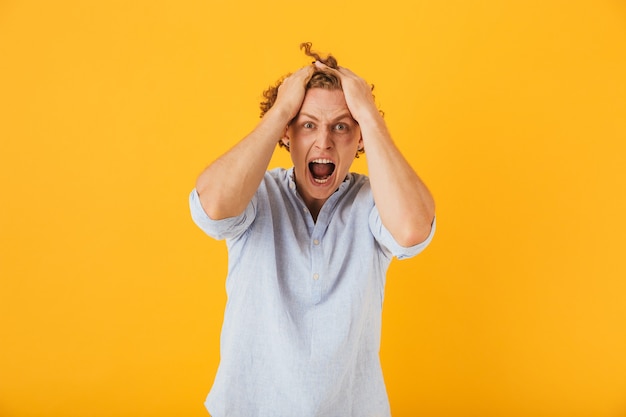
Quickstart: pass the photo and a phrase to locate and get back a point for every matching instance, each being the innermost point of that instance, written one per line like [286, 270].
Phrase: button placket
[317, 266]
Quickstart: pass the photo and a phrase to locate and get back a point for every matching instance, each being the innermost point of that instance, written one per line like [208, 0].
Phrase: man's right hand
[291, 92]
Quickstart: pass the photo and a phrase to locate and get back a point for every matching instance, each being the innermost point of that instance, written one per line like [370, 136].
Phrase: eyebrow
[345, 115]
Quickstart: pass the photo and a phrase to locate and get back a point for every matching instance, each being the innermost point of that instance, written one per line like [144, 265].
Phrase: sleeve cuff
[223, 228]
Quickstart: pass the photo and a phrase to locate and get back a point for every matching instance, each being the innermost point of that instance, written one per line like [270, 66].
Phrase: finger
[323, 66]
[303, 73]
[340, 71]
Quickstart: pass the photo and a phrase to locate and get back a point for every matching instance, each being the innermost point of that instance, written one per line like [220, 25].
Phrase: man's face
[323, 141]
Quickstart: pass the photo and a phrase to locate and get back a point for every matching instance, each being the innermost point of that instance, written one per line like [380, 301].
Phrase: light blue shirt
[301, 331]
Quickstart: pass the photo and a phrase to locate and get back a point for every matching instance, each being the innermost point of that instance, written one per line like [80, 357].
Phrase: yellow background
[513, 112]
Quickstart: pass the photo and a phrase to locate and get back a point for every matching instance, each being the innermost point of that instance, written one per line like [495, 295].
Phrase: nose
[324, 139]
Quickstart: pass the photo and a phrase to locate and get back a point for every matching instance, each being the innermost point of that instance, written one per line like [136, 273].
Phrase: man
[309, 248]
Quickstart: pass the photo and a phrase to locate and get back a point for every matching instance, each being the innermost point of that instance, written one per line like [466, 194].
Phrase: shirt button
[316, 276]
[316, 242]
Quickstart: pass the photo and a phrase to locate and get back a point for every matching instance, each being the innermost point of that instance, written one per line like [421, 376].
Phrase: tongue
[322, 170]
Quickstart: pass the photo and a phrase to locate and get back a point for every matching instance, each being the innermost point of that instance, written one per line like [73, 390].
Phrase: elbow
[416, 232]
[414, 236]
[209, 203]
[218, 205]
[213, 210]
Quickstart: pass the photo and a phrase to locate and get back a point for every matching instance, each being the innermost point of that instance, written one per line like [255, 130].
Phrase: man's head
[323, 140]
[320, 79]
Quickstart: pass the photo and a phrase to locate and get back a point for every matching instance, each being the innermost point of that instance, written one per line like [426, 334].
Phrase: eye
[341, 127]
[308, 125]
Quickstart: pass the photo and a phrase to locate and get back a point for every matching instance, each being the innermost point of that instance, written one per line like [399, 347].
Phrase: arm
[227, 185]
[406, 207]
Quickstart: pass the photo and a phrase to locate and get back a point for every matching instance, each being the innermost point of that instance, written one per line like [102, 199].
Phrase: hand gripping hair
[319, 79]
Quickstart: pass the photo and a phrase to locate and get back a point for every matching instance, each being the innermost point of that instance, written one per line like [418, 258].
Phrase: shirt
[302, 324]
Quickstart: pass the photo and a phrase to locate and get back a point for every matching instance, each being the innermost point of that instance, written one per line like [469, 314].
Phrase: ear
[361, 145]
[285, 139]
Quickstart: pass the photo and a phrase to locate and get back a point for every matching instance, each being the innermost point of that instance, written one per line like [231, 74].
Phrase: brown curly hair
[319, 79]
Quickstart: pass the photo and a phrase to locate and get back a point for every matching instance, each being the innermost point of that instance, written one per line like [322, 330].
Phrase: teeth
[322, 161]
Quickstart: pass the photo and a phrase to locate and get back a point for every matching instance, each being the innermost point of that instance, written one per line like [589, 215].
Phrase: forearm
[227, 185]
[406, 207]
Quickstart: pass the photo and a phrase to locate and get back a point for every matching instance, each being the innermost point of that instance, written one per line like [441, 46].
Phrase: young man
[309, 248]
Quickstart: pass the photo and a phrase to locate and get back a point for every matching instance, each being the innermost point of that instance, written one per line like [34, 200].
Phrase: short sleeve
[224, 228]
[386, 240]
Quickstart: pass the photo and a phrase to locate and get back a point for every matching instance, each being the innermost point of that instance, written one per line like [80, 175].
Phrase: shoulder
[359, 180]
[278, 173]
[359, 185]
[277, 188]
[278, 176]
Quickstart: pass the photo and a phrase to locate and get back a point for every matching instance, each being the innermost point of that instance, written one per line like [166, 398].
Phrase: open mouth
[321, 170]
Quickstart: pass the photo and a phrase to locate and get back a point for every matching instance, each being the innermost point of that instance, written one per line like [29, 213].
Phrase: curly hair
[319, 79]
